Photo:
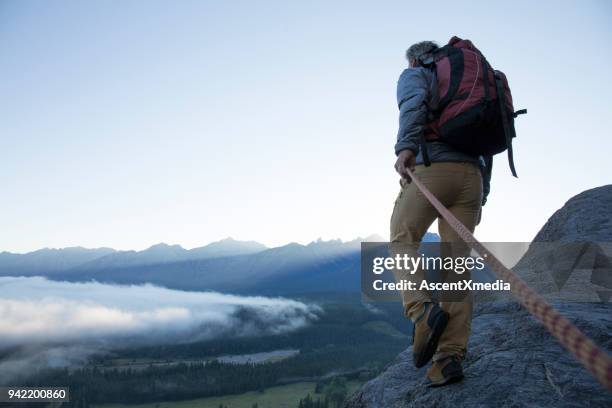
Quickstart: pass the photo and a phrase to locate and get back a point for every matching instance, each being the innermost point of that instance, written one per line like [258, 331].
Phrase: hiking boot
[428, 329]
[445, 371]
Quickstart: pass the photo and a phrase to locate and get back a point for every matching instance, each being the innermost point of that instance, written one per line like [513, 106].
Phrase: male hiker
[459, 179]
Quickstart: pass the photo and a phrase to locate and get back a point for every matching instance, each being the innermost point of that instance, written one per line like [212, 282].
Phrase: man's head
[419, 52]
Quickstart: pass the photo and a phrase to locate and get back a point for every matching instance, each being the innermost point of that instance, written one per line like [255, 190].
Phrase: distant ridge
[163, 253]
[48, 261]
[243, 267]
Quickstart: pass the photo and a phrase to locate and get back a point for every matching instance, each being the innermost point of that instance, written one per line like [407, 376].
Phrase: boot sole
[432, 341]
[453, 378]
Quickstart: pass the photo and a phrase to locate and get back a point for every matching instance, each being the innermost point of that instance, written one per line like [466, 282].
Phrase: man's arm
[412, 94]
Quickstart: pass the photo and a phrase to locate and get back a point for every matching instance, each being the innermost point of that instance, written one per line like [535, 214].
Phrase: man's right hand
[405, 159]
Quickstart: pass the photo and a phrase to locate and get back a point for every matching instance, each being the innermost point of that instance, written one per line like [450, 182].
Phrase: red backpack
[474, 112]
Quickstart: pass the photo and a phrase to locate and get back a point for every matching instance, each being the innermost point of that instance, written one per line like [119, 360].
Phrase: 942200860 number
[34, 394]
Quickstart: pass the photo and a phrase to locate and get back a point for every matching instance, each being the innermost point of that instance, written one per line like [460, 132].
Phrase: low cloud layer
[34, 309]
[40, 314]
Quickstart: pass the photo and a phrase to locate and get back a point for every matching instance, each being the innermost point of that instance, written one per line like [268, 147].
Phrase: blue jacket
[416, 95]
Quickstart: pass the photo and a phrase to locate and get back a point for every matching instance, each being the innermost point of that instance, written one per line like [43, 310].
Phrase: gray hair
[421, 50]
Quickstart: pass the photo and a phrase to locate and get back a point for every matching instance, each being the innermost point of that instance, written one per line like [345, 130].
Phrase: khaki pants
[459, 187]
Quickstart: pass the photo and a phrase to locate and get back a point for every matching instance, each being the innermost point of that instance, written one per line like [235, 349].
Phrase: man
[461, 182]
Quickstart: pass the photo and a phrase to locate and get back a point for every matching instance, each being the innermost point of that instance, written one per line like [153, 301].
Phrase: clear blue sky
[127, 123]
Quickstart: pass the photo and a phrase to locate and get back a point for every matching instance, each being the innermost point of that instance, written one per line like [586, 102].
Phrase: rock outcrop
[570, 258]
[585, 217]
[513, 361]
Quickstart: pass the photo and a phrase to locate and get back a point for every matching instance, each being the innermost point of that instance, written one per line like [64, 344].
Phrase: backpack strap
[519, 112]
[508, 130]
[455, 57]
[485, 77]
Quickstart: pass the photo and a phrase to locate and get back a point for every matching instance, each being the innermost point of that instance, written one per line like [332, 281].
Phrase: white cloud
[35, 310]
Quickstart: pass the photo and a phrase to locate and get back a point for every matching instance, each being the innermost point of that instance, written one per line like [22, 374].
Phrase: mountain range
[243, 267]
[47, 261]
